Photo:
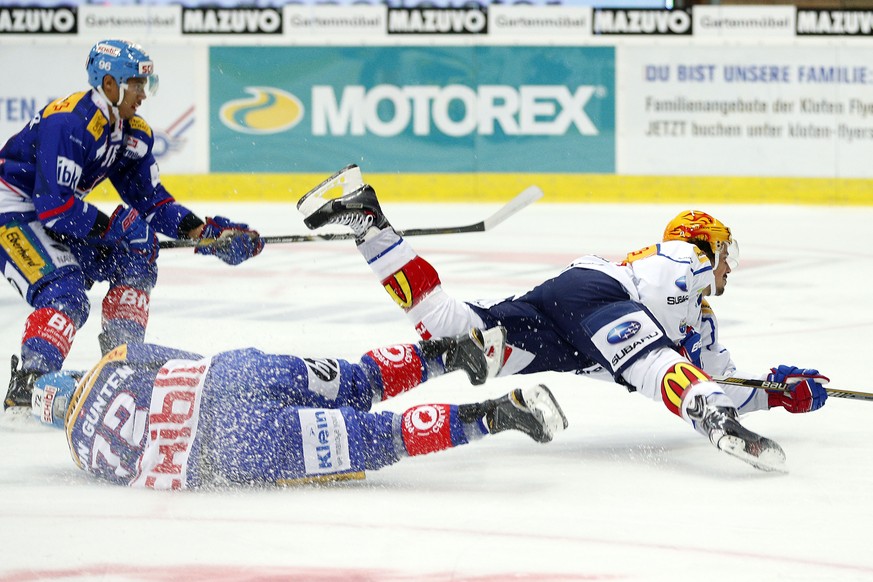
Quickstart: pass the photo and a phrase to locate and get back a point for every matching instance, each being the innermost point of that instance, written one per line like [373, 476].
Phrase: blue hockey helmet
[122, 60]
[51, 396]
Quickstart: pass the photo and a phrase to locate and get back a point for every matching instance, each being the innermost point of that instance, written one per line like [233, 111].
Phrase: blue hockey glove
[691, 346]
[231, 242]
[807, 389]
[128, 230]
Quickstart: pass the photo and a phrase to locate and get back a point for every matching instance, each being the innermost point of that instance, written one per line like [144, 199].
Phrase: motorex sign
[413, 109]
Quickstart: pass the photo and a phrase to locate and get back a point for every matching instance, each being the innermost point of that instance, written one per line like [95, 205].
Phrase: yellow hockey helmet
[694, 225]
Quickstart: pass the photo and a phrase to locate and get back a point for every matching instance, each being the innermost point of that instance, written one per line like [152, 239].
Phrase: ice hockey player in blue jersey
[643, 322]
[155, 417]
[54, 245]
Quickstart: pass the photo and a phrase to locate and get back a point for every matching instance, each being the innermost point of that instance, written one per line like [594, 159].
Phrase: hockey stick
[522, 200]
[783, 387]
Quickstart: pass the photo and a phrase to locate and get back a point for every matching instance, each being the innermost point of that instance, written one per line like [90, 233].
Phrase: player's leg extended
[266, 443]
[48, 277]
[411, 281]
[329, 382]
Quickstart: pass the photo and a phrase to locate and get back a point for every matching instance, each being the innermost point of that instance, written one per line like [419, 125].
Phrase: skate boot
[533, 411]
[20, 386]
[721, 426]
[358, 210]
[479, 353]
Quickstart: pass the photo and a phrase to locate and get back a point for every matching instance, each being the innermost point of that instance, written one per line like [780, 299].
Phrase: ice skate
[358, 209]
[479, 353]
[724, 430]
[348, 179]
[533, 411]
[20, 386]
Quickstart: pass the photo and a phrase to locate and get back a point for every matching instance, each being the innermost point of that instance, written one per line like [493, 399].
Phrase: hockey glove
[231, 242]
[690, 346]
[807, 389]
[127, 230]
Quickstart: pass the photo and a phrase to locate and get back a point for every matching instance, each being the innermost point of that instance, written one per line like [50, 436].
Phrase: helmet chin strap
[122, 89]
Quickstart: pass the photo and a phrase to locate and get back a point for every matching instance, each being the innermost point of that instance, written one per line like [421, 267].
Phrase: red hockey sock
[126, 303]
[53, 327]
[400, 368]
[431, 427]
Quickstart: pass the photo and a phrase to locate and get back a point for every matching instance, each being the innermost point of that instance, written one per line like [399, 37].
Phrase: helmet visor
[732, 253]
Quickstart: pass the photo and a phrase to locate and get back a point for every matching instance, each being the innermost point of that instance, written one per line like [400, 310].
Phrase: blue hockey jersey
[68, 149]
[133, 417]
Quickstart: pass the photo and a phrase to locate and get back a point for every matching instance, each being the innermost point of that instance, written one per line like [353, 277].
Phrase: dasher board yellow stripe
[563, 188]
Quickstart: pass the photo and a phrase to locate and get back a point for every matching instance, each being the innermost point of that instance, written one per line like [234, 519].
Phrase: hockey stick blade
[522, 200]
[783, 387]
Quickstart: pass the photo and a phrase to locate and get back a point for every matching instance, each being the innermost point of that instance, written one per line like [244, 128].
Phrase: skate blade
[494, 346]
[349, 179]
[768, 457]
[543, 404]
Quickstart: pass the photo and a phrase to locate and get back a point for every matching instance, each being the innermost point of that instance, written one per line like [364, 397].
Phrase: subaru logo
[680, 282]
[623, 331]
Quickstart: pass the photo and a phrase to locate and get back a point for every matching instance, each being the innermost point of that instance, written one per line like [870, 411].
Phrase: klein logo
[323, 369]
[268, 110]
[623, 332]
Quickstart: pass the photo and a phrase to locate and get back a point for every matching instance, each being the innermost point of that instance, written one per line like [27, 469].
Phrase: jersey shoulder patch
[705, 309]
[137, 123]
[64, 104]
[97, 124]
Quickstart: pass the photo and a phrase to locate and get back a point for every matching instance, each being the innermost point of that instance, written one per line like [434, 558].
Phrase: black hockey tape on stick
[525, 198]
[783, 387]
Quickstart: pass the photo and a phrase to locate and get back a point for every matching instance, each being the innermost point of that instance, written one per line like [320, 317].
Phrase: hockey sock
[48, 337]
[435, 427]
[395, 369]
[125, 315]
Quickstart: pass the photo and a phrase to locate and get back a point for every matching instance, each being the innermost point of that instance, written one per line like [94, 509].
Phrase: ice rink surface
[628, 492]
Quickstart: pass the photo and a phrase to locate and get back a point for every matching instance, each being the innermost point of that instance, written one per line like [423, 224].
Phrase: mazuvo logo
[27, 20]
[267, 110]
[453, 110]
[437, 21]
[653, 21]
[835, 22]
[231, 21]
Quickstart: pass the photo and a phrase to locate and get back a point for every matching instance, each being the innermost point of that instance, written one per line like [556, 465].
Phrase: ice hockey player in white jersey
[643, 322]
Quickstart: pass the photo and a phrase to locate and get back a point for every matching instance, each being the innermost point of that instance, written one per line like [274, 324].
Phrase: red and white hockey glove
[807, 389]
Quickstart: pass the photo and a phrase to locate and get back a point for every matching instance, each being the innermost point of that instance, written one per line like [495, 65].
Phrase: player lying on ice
[157, 417]
[642, 322]
[54, 245]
